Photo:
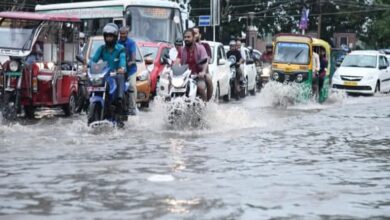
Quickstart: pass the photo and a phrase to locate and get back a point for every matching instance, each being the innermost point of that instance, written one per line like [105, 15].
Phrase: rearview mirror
[148, 61]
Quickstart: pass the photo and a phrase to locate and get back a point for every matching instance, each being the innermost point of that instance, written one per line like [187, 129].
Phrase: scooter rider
[192, 53]
[114, 54]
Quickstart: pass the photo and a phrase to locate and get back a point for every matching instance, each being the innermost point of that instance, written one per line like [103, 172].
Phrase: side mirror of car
[148, 61]
[221, 61]
[382, 67]
[80, 59]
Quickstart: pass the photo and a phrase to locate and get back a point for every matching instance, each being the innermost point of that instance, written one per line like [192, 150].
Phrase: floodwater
[252, 160]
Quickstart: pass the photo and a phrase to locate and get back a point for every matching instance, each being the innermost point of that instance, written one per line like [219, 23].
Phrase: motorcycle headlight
[266, 72]
[275, 76]
[299, 78]
[14, 66]
[97, 81]
[143, 76]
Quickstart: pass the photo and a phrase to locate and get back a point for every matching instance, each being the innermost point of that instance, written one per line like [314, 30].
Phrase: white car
[220, 71]
[249, 70]
[365, 72]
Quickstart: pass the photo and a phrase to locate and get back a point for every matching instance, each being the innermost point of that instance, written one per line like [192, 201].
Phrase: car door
[224, 71]
[251, 69]
[384, 73]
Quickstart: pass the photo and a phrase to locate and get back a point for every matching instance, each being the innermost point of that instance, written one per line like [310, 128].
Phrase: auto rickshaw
[41, 66]
[293, 63]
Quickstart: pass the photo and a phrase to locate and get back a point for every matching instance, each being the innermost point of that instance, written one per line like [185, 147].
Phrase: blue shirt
[115, 58]
[131, 48]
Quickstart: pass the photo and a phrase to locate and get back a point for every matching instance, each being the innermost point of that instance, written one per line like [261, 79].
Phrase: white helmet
[81, 35]
[110, 28]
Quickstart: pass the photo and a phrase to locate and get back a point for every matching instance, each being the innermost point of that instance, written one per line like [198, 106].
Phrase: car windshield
[296, 53]
[17, 33]
[366, 61]
[149, 50]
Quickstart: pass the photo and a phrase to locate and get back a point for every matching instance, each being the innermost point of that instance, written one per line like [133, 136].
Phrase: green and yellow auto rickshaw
[294, 62]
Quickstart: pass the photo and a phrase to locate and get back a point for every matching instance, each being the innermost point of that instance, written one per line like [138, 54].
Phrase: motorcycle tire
[29, 111]
[94, 111]
[9, 108]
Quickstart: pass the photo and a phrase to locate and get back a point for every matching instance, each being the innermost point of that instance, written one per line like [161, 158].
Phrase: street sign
[204, 20]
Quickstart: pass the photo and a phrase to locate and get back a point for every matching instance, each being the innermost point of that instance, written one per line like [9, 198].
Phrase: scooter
[104, 105]
[263, 76]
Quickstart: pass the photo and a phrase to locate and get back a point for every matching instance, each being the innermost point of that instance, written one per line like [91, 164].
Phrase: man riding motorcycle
[239, 60]
[191, 54]
[115, 55]
[267, 56]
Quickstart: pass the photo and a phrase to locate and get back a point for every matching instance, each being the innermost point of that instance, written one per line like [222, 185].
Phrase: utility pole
[319, 19]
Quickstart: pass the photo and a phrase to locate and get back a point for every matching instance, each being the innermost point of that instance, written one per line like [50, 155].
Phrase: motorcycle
[237, 84]
[178, 86]
[104, 105]
[263, 76]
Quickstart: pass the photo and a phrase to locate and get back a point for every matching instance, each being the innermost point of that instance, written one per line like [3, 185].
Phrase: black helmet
[110, 28]
[268, 46]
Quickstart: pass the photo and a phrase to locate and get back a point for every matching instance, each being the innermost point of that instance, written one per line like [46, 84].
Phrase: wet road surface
[252, 160]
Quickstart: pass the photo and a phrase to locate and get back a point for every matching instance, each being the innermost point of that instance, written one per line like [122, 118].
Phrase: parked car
[143, 76]
[220, 71]
[364, 72]
[154, 50]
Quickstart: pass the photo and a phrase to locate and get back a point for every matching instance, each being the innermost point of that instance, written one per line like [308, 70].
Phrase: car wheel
[70, 108]
[144, 104]
[377, 88]
[29, 111]
[228, 96]
[217, 93]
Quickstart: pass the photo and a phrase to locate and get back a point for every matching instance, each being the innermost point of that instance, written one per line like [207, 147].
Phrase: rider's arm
[97, 56]
[122, 61]
[132, 53]
[203, 54]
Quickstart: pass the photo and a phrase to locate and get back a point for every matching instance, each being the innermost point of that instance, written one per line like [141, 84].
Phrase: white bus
[150, 20]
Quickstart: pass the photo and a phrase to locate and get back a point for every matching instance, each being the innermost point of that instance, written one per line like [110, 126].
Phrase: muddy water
[252, 160]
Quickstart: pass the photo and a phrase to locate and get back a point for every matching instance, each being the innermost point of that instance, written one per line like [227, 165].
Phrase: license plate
[350, 83]
[95, 89]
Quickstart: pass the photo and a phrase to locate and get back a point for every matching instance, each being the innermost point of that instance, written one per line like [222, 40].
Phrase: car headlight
[299, 78]
[14, 66]
[143, 76]
[336, 75]
[275, 76]
[266, 71]
[369, 77]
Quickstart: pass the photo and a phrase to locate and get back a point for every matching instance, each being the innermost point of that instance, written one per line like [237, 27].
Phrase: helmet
[232, 43]
[179, 42]
[268, 46]
[110, 28]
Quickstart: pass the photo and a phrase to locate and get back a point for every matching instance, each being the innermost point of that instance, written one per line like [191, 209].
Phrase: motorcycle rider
[239, 60]
[130, 47]
[191, 54]
[267, 56]
[207, 47]
[114, 54]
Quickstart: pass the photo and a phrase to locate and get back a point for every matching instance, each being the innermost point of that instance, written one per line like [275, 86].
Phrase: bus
[151, 20]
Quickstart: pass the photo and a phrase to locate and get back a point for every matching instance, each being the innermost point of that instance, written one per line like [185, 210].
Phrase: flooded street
[252, 161]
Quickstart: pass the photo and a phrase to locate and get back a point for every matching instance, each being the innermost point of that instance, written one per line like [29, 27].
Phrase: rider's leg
[201, 91]
[209, 84]
[133, 94]
[121, 85]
